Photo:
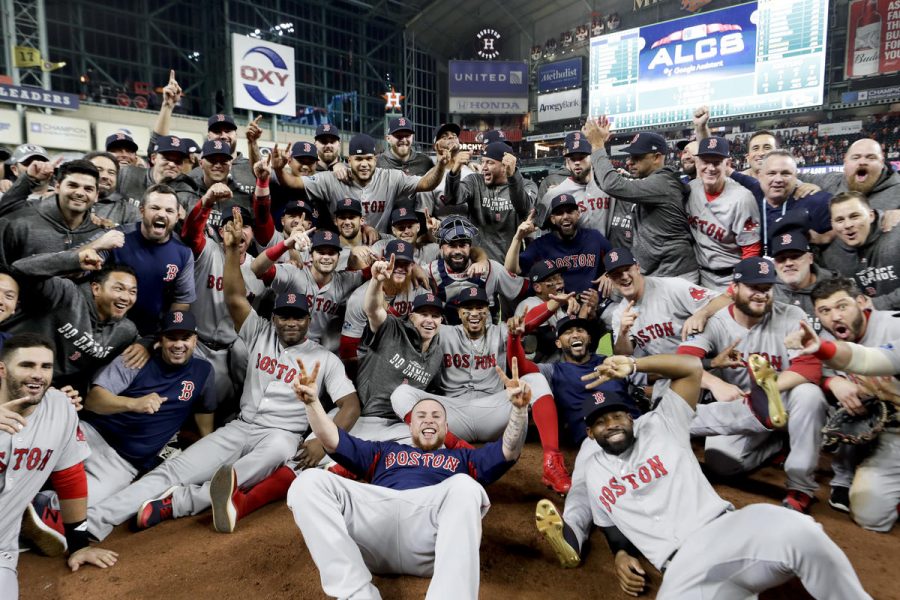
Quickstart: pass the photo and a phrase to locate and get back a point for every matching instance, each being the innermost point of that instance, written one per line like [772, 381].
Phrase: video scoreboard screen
[763, 56]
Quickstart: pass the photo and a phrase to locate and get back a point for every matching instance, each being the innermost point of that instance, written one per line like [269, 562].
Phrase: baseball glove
[846, 428]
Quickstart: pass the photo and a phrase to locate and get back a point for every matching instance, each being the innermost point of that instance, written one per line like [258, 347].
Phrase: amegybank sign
[559, 106]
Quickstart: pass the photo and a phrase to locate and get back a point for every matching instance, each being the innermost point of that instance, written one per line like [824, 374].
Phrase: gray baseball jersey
[326, 303]
[496, 280]
[666, 304]
[423, 255]
[377, 198]
[469, 365]
[720, 227]
[268, 399]
[213, 320]
[50, 441]
[355, 318]
[435, 201]
[594, 205]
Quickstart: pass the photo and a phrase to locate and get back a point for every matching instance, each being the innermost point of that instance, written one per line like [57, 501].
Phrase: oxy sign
[263, 76]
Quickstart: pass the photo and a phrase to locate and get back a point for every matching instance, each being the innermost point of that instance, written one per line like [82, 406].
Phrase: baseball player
[642, 484]
[400, 152]
[471, 392]
[216, 161]
[499, 199]
[39, 441]
[797, 271]
[328, 147]
[656, 313]
[723, 216]
[216, 336]
[405, 226]
[169, 156]
[271, 422]
[863, 251]
[111, 205]
[326, 290]
[123, 148]
[741, 438]
[848, 356]
[433, 491]
[377, 189]
[873, 496]
[131, 414]
[9, 300]
[446, 138]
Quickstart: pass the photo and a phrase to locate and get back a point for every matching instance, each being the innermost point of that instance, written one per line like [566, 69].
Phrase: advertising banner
[61, 133]
[489, 106]
[263, 76]
[559, 75]
[873, 38]
[32, 96]
[559, 106]
[488, 78]
[887, 93]
[10, 128]
[848, 128]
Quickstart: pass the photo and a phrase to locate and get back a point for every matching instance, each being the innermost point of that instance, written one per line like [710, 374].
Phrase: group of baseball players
[337, 326]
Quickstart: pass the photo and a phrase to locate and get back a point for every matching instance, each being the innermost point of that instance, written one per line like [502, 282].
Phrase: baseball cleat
[221, 494]
[840, 499]
[550, 525]
[42, 525]
[555, 476]
[156, 510]
[797, 501]
[765, 399]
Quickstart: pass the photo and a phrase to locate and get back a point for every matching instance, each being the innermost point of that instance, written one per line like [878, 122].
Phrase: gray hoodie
[884, 196]
[875, 265]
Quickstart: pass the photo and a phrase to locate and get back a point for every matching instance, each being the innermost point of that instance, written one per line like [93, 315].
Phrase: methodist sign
[263, 76]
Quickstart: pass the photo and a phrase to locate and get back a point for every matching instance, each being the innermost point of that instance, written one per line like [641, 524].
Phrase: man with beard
[430, 492]
[660, 220]
[687, 158]
[122, 146]
[865, 172]
[642, 484]
[348, 221]
[599, 211]
[797, 272]
[656, 313]
[167, 157]
[741, 434]
[471, 392]
[271, 422]
[111, 205]
[164, 266]
[446, 138]
[40, 425]
[578, 249]
[215, 167]
[325, 288]
[222, 128]
[9, 301]
[452, 271]
[863, 250]
[328, 147]
[217, 338]
[52, 224]
[87, 322]
[377, 189]
[498, 200]
[405, 227]
[872, 498]
[400, 153]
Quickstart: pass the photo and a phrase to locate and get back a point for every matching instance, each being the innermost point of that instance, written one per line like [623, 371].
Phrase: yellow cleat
[550, 525]
[767, 380]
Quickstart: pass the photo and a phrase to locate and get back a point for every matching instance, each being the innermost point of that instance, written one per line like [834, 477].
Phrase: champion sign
[263, 75]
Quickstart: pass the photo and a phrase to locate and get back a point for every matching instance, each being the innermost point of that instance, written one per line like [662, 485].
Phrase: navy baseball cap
[298, 206]
[246, 216]
[714, 146]
[543, 270]
[568, 322]
[178, 320]
[304, 149]
[755, 270]
[215, 148]
[399, 124]
[221, 121]
[496, 150]
[291, 302]
[120, 139]
[446, 127]
[362, 144]
[323, 239]
[604, 401]
[328, 131]
[563, 200]
[647, 142]
[473, 293]
[579, 146]
[794, 239]
[4, 154]
[618, 257]
[427, 300]
[192, 146]
[494, 135]
[401, 251]
[170, 143]
[349, 205]
[398, 215]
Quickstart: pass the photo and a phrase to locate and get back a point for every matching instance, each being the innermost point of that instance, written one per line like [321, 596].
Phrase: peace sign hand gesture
[518, 392]
[305, 383]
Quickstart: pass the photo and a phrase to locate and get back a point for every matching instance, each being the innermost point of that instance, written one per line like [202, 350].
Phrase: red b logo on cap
[713, 142]
[599, 398]
[217, 145]
[306, 147]
[177, 317]
[473, 292]
[327, 236]
[786, 238]
[175, 142]
[763, 268]
[614, 256]
[220, 118]
[401, 247]
[291, 298]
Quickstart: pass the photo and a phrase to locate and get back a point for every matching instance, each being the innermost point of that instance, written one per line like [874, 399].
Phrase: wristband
[275, 252]
[262, 184]
[826, 350]
[76, 536]
[633, 365]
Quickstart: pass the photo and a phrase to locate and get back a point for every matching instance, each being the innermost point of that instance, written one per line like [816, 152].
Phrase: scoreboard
[762, 56]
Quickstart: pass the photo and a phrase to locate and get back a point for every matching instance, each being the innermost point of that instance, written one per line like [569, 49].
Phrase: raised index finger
[514, 368]
[256, 120]
[171, 75]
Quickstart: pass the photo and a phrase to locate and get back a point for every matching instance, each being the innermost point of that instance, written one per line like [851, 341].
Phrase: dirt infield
[266, 557]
